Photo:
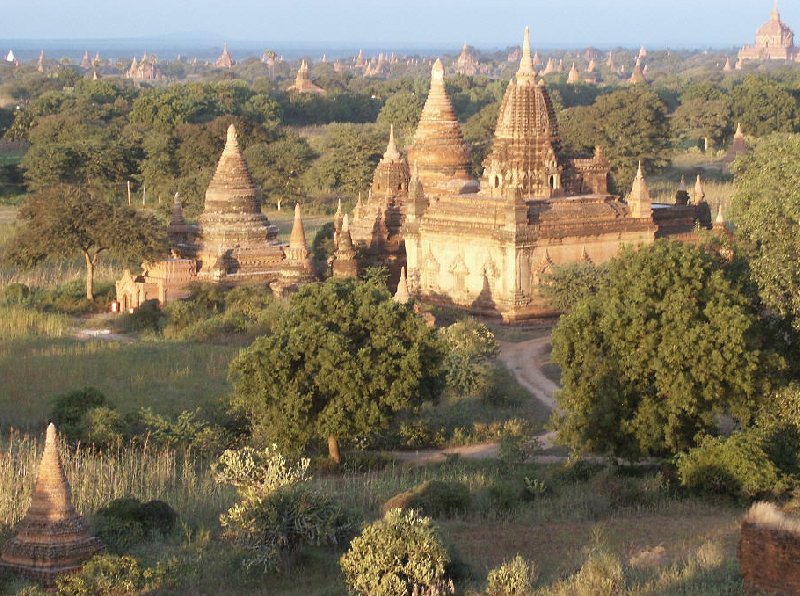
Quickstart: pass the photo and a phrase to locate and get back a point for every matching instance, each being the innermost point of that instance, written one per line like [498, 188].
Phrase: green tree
[632, 126]
[343, 360]
[705, 113]
[668, 342]
[278, 167]
[348, 158]
[65, 220]
[766, 209]
[764, 106]
[403, 111]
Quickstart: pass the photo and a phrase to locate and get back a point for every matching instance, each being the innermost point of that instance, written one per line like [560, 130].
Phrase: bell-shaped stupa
[439, 150]
[52, 538]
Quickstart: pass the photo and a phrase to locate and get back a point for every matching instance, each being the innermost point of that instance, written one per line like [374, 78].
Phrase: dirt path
[525, 359]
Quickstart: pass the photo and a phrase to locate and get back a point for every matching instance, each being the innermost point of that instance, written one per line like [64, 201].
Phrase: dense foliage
[341, 362]
[668, 342]
[399, 554]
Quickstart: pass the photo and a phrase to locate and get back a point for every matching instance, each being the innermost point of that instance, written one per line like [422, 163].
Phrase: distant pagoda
[303, 83]
[225, 59]
[52, 538]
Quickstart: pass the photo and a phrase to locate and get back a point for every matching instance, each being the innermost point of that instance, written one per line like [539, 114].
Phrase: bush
[399, 554]
[433, 497]
[735, 466]
[466, 365]
[70, 408]
[127, 521]
[272, 528]
[277, 512]
[15, 294]
[103, 428]
[112, 575]
[514, 577]
[148, 317]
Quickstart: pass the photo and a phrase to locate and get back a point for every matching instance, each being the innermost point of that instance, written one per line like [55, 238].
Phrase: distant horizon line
[207, 43]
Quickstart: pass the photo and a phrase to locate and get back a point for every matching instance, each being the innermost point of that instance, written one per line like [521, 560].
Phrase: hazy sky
[433, 23]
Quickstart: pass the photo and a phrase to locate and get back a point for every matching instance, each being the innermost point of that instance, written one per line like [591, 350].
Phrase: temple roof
[225, 59]
[439, 149]
[774, 26]
[232, 188]
[297, 239]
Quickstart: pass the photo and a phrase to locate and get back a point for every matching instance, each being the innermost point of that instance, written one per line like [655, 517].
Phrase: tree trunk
[89, 276]
[333, 450]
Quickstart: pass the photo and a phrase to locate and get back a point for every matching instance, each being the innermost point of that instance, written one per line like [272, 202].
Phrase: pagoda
[439, 150]
[467, 62]
[52, 538]
[302, 82]
[774, 41]
[225, 60]
[236, 238]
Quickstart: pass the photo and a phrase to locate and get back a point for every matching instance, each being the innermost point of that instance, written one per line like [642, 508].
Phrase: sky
[488, 24]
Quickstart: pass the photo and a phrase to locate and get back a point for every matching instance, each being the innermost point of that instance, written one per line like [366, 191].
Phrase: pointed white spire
[526, 70]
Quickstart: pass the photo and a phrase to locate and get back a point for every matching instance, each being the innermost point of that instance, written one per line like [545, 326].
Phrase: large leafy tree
[632, 126]
[763, 106]
[668, 342]
[278, 166]
[62, 221]
[766, 210]
[705, 113]
[343, 360]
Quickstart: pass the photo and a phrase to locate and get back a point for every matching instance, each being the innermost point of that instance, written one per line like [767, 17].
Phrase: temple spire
[391, 154]
[297, 239]
[776, 15]
[738, 134]
[402, 296]
[699, 191]
[52, 538]
[526, 70]
[639, 200]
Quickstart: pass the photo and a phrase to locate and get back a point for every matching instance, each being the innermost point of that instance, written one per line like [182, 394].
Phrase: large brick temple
[485, 246]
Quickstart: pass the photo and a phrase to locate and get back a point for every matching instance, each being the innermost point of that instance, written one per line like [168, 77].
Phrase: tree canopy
[340, 363]
[669, 340]
[68, 220]
[766, 210]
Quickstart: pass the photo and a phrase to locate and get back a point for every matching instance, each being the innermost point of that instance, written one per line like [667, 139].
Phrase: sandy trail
[525, 359]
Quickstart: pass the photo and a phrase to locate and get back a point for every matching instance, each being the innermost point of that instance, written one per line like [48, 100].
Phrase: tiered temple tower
[52, 538]
[774, 41]
[225, 59]
[236, 238]
[526, 152]
[302, 82]
[439, 151]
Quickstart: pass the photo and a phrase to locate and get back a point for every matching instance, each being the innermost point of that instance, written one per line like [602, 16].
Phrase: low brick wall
[769, 553]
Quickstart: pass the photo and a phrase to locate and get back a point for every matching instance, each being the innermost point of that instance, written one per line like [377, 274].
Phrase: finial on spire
[639, 172]
[232, 136]
[526, 63]
[437, 72]
[391, 154]
[346, 223]
[682, 185]
[776, 16]
[720, 221]
[738, 134]
[52, 435]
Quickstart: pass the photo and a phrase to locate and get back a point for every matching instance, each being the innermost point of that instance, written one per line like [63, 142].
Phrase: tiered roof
[439, 150]
[525, 154]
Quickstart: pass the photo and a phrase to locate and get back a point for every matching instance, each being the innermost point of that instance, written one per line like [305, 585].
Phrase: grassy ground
[169, 376]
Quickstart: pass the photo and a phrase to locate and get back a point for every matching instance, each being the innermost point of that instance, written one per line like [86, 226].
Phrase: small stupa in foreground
[52, 538]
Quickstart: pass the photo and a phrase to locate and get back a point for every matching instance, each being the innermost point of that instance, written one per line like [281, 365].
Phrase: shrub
[148, 317]
[602, 573]
[514, 577]
[15, 294]
[112, 575]
[102, 427]
[466, 365]
[127, 521]
[69, 409]
[272, 528]
[736, 466]
[433, 497]
[399, 554]
[277, 511]
[187, 430]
